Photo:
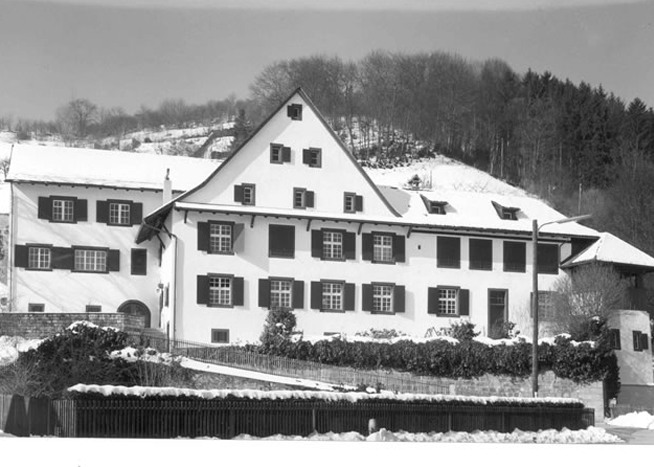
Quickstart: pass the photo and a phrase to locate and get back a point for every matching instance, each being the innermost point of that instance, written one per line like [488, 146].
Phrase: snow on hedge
[634, 420]
[131, 354]
[11, 346]
[89, 324]
[146, 391]
[591, 435]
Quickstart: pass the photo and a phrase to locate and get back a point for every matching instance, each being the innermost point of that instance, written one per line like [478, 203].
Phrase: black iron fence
[282, 366]
[222, 418]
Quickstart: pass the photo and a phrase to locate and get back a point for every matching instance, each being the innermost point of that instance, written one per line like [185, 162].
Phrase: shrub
[279, 326]
[461, 330]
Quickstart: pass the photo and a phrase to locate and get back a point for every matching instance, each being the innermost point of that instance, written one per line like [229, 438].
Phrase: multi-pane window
[62, 210]
[382, 298]
[220, 291]
[276, 153]
[299, 198]
[332, 296]
[348, 202]
[38, 257]
[119, 213]
[312, 157]
[220, 238]
[546, 309]
[447, 301]
[294, 111]
[332, 245]
[91, 260]
[220, 336]
[382, 250]
[614, 339]
[248, 194]
[280, 293]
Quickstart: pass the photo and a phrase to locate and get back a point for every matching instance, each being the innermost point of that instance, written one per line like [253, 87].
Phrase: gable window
[35, 307]
[294, 111]
[506, 212]
[38, 257]
[119, 212]
[383, 298]
[515, 256]
[614, 339]
[302, 198]
[62, 209]
[481, 254]
[216, 290]
[352, 202]
[90, 260]
[548, 258]
[641, 341]
[220, 336]
[281, 241]
[312, 157]
[220, 238]
[245, 194]
[448, 252]
[448, 301]
[279, 153]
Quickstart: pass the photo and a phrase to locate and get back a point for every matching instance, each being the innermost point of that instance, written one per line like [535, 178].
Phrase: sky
[128, 53]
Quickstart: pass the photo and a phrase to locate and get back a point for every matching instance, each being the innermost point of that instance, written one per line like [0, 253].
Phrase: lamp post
[534, 295]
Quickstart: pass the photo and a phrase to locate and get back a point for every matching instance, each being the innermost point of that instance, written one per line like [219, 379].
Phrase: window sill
[337, 260]
[120, 225]
[89, 272]
[212, 305]
[515, 270]
[56, 221]
[382, 262]
[281, 256]
[224, 253]
[38, 269]
[324, 310]
[382, 312]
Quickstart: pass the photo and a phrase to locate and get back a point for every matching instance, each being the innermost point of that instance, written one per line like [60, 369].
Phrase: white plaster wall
[338, 174]
[417, 274]
[67, 291]
[635, 367]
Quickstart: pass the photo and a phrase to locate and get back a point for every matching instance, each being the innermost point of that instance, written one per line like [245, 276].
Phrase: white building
[289, 220]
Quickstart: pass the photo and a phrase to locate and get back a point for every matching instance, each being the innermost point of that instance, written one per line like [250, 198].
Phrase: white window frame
[382, 298]
[332, 245]
[281, 293]
[120, 213]
[221, 238]
[299, 198]
[63, 210]
[221, 291]
[382, 248]
[448, 301]
[333, 296]
[39, 257]
[349, 202]
[249, 194]
[90, 260]
[276, 155]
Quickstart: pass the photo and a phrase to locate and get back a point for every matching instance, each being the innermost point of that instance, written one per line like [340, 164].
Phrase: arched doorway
[135, 307]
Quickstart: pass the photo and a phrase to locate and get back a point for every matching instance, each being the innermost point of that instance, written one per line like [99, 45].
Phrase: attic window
[506, 212]
[294, 111]
[279, 153]
[312, 157]
[434, 207]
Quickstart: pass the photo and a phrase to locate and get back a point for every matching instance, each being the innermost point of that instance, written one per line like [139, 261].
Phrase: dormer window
[294, 111]
[506, 212]
[434, 207]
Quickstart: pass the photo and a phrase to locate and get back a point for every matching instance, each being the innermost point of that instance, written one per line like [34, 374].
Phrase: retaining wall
[38, 325]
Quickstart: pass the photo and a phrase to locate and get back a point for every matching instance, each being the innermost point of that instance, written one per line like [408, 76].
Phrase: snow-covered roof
[49, 164]
[610, 249]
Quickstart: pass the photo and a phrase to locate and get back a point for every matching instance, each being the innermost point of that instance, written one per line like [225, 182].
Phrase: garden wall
[38, 325]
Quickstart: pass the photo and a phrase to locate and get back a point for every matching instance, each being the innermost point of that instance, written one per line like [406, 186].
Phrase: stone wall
[39, 325]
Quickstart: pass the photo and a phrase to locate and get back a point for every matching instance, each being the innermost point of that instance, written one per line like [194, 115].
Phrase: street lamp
[534, 295]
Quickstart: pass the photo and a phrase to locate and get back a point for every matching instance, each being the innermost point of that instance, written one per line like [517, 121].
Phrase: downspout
[10, 243]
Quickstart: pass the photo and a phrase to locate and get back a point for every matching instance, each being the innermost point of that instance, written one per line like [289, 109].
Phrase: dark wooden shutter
[298, 295]
[316, 295]
[366, 247]
[350, 245]
[515, 256]
[481, 254]
[62, 258]
[203, 290]
[366, 297]
[636, 336]
[348, 297]
[238, 238]
[45, 208]
[286, 154]
[644, 341]
[203, 236]
[309, 199]
[237, 291]
[238, 193]
[136, 213]
[102, 211]
[81, 210]
[21, 256]
[306, 156]
[264, 293]
[316, 243]
[399, 298]
[548, 258]
[139, 261]
[281, 241]
[433, 295]
[448, 252]
[113, 260]
[167, 295]
[399, 248]
[464, 302]
[358, 203]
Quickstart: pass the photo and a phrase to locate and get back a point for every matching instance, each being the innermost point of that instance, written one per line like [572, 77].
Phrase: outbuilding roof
[610, 249]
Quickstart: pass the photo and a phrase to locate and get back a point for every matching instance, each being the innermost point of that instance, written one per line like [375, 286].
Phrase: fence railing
[221, 418]
[282, 366]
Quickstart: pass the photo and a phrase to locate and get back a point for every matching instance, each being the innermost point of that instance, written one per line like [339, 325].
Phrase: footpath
[629, 435]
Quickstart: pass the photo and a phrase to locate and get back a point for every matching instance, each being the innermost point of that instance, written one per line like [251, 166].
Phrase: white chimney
[167, 188]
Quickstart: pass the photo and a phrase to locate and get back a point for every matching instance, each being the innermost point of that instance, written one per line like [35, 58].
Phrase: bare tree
[76, 117]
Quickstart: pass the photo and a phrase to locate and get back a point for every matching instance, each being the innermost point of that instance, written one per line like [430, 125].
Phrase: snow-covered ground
[635, 420]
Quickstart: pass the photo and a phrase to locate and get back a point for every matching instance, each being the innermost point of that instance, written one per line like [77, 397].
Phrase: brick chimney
[167, 188]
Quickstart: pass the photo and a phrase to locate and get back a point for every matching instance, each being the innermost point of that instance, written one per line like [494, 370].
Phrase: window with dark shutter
[93, 309]
[448, 301]
[276, 156]
[515, 256]
[614, 339]
[637, 341]
[352, 202]
[448, 252]
[281, 241]
[299, 198]
[245, 194]
[66, 209]
[294, 111]
[312, 157]
[481, 254]
[548, 258]
[139, 263]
